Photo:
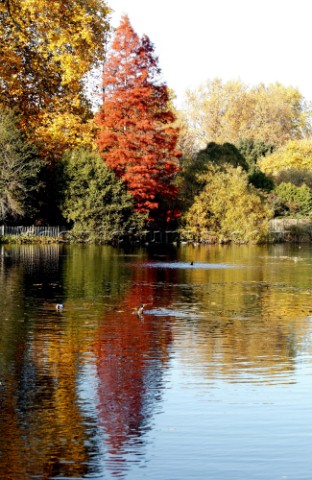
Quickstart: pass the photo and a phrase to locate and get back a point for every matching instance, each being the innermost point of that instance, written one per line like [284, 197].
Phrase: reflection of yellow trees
[46, 425]
[12, 330]
[41, 420]
[252, 323]
[10, 284]
[10, 430]
[57, 419]
[12, 465]
[51, 429]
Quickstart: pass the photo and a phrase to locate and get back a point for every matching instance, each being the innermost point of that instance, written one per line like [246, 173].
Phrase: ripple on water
[187, 265]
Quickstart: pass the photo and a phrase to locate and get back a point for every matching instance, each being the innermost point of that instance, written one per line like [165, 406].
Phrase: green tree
[19, 171]
[192, 181]
[260, 180]
[298, 200]
[222, 155]
[227, 209]
[93, 199]
[254, 150]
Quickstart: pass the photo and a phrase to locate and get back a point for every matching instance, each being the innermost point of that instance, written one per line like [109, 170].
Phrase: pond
[213, 381]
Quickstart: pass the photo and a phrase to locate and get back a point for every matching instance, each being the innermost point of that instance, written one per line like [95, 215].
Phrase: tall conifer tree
[137, 138]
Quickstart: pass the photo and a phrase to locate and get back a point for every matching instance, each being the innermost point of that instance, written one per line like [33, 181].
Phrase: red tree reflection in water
[132, 353]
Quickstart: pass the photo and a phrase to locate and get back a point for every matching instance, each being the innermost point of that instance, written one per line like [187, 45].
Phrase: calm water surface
[213, 382]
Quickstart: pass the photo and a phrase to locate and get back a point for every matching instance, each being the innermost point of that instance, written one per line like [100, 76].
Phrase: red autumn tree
[137, 138]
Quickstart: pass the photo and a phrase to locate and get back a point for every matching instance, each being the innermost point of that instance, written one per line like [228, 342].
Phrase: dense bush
[227, 209]
[297, 199]
[253, 150]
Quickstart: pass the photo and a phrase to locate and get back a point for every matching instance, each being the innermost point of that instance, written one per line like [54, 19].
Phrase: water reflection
[84, 390]
[132, 353]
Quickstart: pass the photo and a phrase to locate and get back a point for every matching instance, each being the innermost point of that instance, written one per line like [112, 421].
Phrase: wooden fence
[148, 236]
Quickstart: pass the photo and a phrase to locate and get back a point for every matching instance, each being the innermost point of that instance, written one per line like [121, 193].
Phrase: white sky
[251, 40]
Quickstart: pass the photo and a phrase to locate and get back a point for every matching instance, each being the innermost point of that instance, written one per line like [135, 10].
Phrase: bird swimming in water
[192, 263]
[140, 309]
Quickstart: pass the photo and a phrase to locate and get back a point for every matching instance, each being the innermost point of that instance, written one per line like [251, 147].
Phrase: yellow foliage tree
[227, 209]
[295, 155]
[228, 112]
[279, 114]
[46, 49]
[216, 112]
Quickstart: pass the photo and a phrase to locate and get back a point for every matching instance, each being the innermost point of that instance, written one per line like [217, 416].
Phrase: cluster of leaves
[253, 150]
[46, 49]
[296, 154]
[192, 180]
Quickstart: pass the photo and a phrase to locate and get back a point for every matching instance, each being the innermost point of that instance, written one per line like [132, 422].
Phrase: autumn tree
[137, 138]
[232, 112]
[226, 209]
[46, 49]
[217, 112]
[279, 114]
[295, 155]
